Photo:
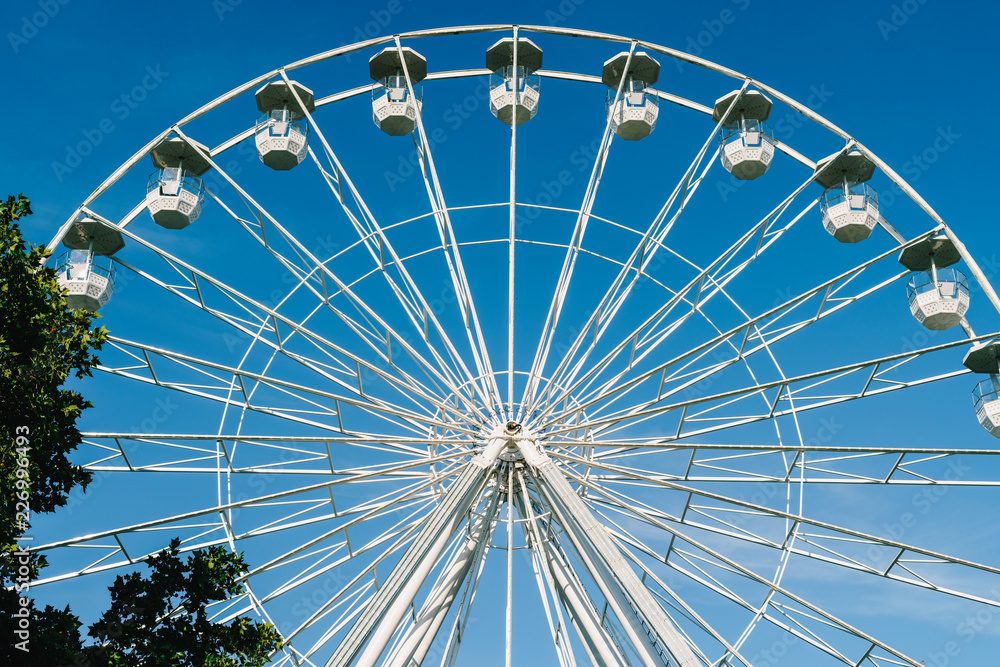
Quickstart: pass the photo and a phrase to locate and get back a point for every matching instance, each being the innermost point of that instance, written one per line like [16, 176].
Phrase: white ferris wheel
[655, 385]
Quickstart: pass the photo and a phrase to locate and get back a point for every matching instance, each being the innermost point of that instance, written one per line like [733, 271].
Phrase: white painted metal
[569, 262]
[396, 101]
[939, 299]
[281, 139]
[88, 283]
[850, 206]
[93, 235]
[382, 614]
[983, 357]
[446, 232]
[174, 194]
[511, 230]
[586, 619]
[509, 616]
[88, 279]
[647, 626]
[643, 254]
[633, 114]
[631, 109]
[747, 149]
[850, 211]
[514, 88]
[391, 396]
[986, 397]
[547, 588]
[421, 309]
[747, 143]
[415, 645]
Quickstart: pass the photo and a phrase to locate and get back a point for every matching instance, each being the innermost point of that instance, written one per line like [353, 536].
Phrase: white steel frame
[471, 454]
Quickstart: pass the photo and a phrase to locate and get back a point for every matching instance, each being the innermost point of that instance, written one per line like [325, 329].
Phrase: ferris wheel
[477, 371]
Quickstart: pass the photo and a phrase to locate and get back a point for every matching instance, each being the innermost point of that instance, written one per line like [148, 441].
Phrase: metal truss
[442, 416]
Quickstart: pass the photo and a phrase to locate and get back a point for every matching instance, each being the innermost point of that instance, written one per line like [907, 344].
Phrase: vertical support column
[646, 624]
[509, 617]
[384, 611]
[512, 231]
[584, 617]
[418, 640]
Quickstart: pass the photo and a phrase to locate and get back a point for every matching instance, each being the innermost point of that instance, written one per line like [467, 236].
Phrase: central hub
[511, 452]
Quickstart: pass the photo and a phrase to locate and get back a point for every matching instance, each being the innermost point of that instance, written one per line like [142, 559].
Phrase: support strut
[653, 635]
[382, 615]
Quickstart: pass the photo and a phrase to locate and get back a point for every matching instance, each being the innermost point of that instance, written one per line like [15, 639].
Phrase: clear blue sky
[916, 82]
[893, 88]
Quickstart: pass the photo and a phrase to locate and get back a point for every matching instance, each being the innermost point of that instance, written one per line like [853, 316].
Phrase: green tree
[159, 621]
[41, 343]
[163, 620]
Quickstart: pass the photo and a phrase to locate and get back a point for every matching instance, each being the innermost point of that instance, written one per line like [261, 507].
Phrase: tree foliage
[159, 621]
[41, 343]
[163, 620]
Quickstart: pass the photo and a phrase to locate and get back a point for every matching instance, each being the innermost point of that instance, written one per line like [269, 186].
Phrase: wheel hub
[512, 429]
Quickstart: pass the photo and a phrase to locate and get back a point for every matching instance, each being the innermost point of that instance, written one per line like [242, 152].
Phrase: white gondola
[849, 205]
[514, 93]
[850, 211]
[394, 110]
[938, 296]
[986, 398]
[87, 278]
[632, 113]
[938, 299]
[983, 358]
[281, 136]
[746, 140]
[174, 193]
[86, 272]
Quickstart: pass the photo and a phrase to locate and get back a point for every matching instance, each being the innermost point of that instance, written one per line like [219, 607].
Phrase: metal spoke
[422, 309]
[315, 265]
[641, 257]
[450, 245]
[825, 539]
[569, 262]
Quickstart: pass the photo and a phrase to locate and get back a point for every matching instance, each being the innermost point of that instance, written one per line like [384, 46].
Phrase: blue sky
[894, 86]
[914, 81]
